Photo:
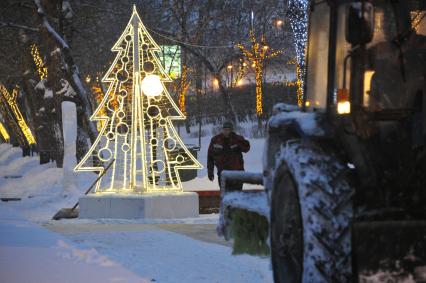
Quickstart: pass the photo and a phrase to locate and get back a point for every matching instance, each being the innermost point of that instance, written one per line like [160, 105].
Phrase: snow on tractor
[345, 176]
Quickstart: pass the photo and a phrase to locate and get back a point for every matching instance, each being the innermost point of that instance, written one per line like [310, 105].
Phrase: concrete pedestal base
[149, 206]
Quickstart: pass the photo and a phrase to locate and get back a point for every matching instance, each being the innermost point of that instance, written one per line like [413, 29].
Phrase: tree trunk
[70, 72]
[230, 113]
[199, 89]
[185, 63]
[82, 147]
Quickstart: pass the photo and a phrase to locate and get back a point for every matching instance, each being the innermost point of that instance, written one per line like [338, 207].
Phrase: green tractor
[345, 176]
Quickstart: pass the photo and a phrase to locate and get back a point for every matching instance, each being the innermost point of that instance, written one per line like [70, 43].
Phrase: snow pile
[40, 187]
[202, 219]
[251, 201]
[408, 269]
[29, 253]
[66, 89]
[89, 256]
[284, 107]
[48, 93]
[383, 276]
[306, 121]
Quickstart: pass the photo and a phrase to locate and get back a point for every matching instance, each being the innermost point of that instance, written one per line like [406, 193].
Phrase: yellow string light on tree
[41, 69]
[242, 71]
[258, 53]
[99, 96]
[4, 133]
[184, 86]
[138, 136]
[9, 118]
[298, 83]
[11, 101]
[416, 19]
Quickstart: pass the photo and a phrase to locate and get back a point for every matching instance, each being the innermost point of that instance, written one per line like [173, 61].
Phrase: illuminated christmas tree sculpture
[137, 133]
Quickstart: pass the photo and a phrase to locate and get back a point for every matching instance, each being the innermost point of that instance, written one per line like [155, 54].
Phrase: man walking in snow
[225, 151]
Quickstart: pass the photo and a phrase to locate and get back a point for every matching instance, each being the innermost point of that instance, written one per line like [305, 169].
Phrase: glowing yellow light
[416, 19]
[88, 79]
[229, 67]
[343, 104]
[137, 130]
[344, 107]
[244, 64]
[41, 69]
[307, 103]
[299, 86]
[11, 101]
[258, 54]
[368, 75]
[298, 83]
[4, 133]
[152, 86]
[184, 86]
[216, 82]
[239, 83]
[279, 23]
[259, 80]
[99, 96]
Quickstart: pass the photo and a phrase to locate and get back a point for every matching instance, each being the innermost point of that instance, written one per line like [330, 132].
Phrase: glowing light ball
[152, 86]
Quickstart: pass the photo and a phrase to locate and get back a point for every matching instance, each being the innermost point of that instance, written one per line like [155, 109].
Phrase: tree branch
[118, 13]
[13, 25]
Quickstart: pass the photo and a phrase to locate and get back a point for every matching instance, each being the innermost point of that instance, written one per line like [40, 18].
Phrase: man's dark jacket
[226, 153]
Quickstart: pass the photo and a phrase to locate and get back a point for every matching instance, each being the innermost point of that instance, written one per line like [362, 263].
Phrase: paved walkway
[201, 232]
[30, 253]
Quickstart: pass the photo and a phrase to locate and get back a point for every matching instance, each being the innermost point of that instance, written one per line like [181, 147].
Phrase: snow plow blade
[66, 213]
[247, 225]
[244, 215]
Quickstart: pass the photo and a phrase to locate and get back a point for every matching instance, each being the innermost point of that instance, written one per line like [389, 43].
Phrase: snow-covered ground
[42, 189]
[186, 250]
[29, 253]
[136, 253]
[166, 256]
[39, 186]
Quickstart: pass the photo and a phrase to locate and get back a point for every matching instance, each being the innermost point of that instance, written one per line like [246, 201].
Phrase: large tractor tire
[311, 213]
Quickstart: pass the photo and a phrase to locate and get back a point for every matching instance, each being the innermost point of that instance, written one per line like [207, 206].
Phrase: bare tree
[206, 30]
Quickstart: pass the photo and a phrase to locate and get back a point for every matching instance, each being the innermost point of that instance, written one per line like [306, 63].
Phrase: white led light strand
[298, 16]
[136, 114]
